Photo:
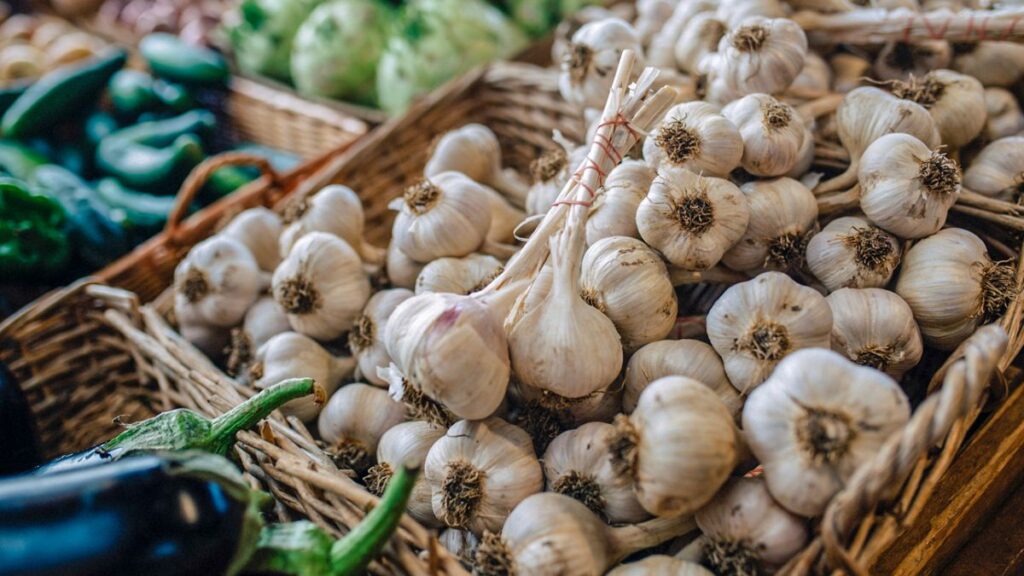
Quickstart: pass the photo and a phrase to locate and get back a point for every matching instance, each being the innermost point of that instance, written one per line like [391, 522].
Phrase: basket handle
[201, 173]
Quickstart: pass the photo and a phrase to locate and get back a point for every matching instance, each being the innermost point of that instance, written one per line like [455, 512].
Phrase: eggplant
[17, 428]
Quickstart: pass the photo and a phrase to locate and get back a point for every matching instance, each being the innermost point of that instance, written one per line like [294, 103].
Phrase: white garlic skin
[334, 209]
[868, 113]
[458, 275]
[658, 565]
[550, 172]
[321, 286]
[783, 212]
[359, 414]
[815, 79]
[692, 220]
[587, 70]
[852, 253]
[474, 150]
[408, 443]
[691, 358]
[876, 328]
[773, 134]
[695, 136]
[698, 38]
[366, 340]
[661, 50]
[1004, 115]
[903, 60]
[402, 271]
[502, 453]
[895, 193]
[761, 55]
[756, 323]
[998, 170]
[263, 321]
[445, 215]
[959, 110]
[993, 63]
[217, 282]
[815, 393]
[259, 229]
[613, 212]
[461, 543]
[292, 355]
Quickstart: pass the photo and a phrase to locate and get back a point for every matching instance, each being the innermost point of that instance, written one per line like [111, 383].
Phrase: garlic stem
[820, 106]
[841, 182]
[841, 202]
[626, 540]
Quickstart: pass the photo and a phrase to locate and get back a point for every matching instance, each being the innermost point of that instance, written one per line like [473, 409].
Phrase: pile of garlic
[561, 421]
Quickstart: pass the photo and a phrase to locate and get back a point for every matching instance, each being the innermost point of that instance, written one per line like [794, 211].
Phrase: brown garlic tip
[695, 212]
[787, 249]
[298, 296]
[296, 209]
[461, 492]
[195, 286]
[876, 356]
[362, 334]
[486, 280]
[766, 341]
[421, 196]
[998, 290]
[578, 57]
[238, 352]
[925, 92]
[377, 478]
[732, 557]
[623, 446]
[871, 248]
[679, 142]
[548, 164]
[493, 557]
[581, 487]
[776, 116]
[750, 38]
[594, 298]
[826, 435]
[423, 407]
[350, 454]
[939, 174]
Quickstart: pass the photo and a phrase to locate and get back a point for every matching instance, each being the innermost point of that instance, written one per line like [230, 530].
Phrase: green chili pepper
[32, 239]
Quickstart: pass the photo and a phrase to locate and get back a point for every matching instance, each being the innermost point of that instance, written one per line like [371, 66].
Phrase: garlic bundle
[678, 446]
[699, 38]
[336, 210]
[613, 212]
[479, 471]
[906, 188]
[578, 463]
[773, 134]
[660, 51]
[262, 322]
[998, 170]
[955, 101]
[953, 286]
[446, 215]
[366, 340]
[474, 150]
[458, 275]
[697, 137]
[217, 282]
[406, 443]
[658, 565]
[851, 253]
[589, 66]
[754, 324]
[321, 286]
[762, 55]
[692, 220]
[1004, 115]
[783, 215]
[876, 328]
[690, 358]
[993, 63]
[402, 271]
[746, 532]
[626, 280]
[815, 421]
[550, 173]
[258, 229]
[849, 71]
[292, 355]
[353, 421]
[905, 60]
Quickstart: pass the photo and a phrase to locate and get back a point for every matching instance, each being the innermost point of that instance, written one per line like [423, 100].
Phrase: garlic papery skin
[258, 229]
[587, 70]
[876, 328]
[474, 150]
[628, 282]
[479, 471]
[691, 358]
[334, 209]
[505, 217]
[659, 565]
[852, 253]
[904, 60]
[998, 170]
[906, 188]
[735, 12]
[814, 80]
[292, 355]
[461, 543]
[773, 134]
[366, 340]
[321, 286]
[578, 464]
[755, 324]
[699, 38]
[402, 444]
[761, 55]
[956, 102]
[262, 322]
[402, 271]
[613, 212]
[660, 51]
[446, 215]
[458, 275]
[783, 215]
[679, 446]
[217, 282]
[993, 63]
[353, 421]
[747, 532]
[550, 172]
[690, 219]
[695, 136]
[1004, 114]
[953, 286]
[815, 421]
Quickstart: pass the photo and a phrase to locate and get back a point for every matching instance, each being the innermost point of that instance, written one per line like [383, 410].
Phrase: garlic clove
[695, 136]
[353, 421]
[550, 172]
[464, 275]
[217, 282]
[258, 229]
[998, 170]
[691, 358]
[446, 215]
[293, 355]
[783, 216]
[366, 340]
[587, 69]
[875, 328]
[613, 212]
[851, 253]
[814, 81]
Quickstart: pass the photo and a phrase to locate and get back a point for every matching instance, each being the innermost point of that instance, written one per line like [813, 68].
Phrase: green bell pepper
[32, 240]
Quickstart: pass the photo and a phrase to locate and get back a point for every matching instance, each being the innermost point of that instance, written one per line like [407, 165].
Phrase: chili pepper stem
[224, 427]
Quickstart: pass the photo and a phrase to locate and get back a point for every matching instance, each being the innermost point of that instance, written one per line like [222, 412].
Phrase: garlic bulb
[461, 543]
[691, 358]
[661, 47]
[217, 282]
[746, 532]
[651, 15]
[679, 446]
[334, 209]
[699, 38]
[905, 60]
[953, 286]
[589, 66]
[262, 322]
[321, 286]
[955, 101]
[692, 220]
[613, 212]
[697, 137]
[366, 340]
[762, 55]
[446, 215]
[578, 464]
[906, 188]
[993, 63]
[815, 421]
[402, 444]
[458, 275]
[658, 565]
[998, 170]
[353, 421]
[1004, 114]
[851, 253]
[478, 472]
[474, 150]
[849, 71]
[627, 282]
[402, 271]
[783, 215]
[876, 328]
[754, 324]
[292, 355]
[550, 172]
[773, 134]
[258, 229]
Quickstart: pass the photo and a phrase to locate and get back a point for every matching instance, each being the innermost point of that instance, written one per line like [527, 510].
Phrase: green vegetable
[226, 180]
[439, 40]
[262, 34]
[537, 17]
[143, 212]
[336, 50]
[9, 94]
[131, 93]
[171, 57]
[60, 94]
[280, 160]
[98, 126]
[173, 96]
[32, 240]
[76, 156]
[19, 160]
